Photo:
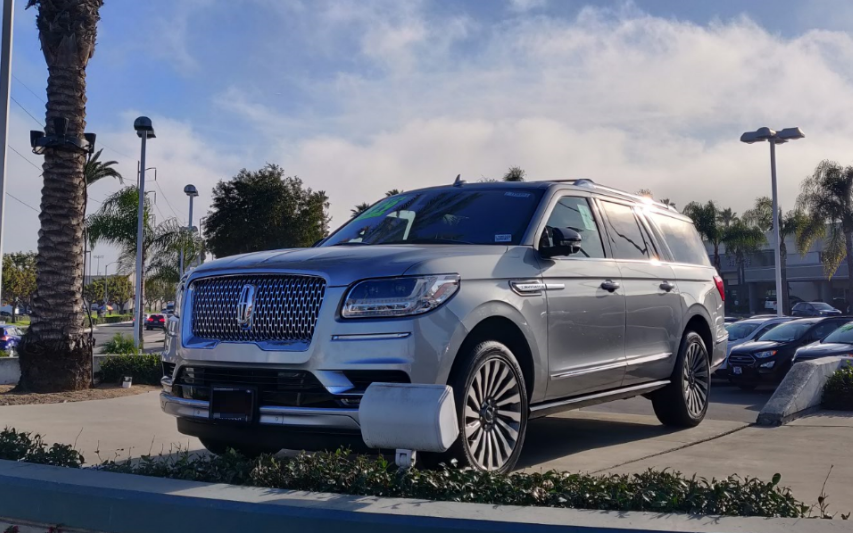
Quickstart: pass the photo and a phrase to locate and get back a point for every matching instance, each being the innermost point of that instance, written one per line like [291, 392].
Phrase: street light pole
[5, 81]
[774, 138]
[192, 192]
[144, 130]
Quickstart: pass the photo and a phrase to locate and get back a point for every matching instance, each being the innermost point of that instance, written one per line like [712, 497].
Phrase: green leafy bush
[121, 345]
[838, 391]
[115, 319]
[145, 369]
[15, 446]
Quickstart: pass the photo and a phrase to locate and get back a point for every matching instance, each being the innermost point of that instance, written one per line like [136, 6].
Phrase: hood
[824, 349]
[757, 346]
[342, 265]
[830, 312]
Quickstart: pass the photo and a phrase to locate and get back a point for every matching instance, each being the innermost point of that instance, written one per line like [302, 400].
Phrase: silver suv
[527, 298]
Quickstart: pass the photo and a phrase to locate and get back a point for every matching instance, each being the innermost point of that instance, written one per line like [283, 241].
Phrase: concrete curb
[800, 392]
[120, 503]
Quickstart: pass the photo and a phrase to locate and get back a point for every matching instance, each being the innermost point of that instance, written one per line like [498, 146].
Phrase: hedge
[145, 369]
[345, 473]
[838, 391]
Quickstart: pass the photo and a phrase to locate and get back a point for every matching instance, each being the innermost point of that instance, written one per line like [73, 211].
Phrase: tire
[218, 447]
[684, 402]
[491, 429]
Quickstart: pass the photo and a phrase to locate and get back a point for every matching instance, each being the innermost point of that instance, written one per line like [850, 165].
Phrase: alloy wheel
[492, 415]
[696, 380]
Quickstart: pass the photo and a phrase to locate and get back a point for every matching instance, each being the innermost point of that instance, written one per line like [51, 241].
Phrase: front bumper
[757, 374]
[345, 420]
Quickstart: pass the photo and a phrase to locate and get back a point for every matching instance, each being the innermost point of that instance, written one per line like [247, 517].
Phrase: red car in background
[155, 321]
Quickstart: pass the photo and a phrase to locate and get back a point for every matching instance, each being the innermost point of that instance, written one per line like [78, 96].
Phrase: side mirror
[564, 241]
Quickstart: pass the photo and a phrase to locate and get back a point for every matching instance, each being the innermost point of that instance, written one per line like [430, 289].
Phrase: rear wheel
[492, 409]
[684, 402]
[219, 447]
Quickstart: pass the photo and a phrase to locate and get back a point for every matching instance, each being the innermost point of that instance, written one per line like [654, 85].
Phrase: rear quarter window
[683, 240]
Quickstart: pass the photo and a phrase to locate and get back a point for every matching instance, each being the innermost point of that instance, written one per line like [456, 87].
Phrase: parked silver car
[527, 298]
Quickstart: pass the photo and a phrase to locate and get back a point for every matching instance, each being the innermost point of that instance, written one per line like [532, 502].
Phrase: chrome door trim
[631, 361]
[573, 372]
[636, 388]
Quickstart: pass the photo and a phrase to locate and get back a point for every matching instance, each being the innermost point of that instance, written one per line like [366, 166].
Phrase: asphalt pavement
[153, 339]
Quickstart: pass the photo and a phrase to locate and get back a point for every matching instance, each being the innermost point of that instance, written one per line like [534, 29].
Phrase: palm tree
[359, 209]
[95, 170]
[761, 216]
[705, 218]
[667, 201]
[741, 239]
[645, 192]
[393, 192]
[726, 217]
[115, 223]
[55, 352]
[514, 174]
[826, 199]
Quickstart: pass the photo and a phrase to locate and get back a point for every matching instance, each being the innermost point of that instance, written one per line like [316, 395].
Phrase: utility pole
[5, 81]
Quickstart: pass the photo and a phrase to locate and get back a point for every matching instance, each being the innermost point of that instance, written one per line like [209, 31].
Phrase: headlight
[765, 355]
[395, 297]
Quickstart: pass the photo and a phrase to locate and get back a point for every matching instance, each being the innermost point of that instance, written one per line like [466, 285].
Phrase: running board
[550, 408]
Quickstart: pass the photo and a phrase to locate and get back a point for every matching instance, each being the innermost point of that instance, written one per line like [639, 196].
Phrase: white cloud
[526, 5]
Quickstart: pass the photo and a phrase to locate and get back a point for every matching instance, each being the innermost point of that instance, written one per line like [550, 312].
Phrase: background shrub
[838, 391]
[145, 369]
[121, 345]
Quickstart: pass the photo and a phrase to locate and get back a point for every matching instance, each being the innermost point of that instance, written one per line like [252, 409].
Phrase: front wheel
[492, 409]
[684, 402]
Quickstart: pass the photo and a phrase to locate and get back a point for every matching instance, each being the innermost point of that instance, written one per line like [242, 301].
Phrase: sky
[357, 97]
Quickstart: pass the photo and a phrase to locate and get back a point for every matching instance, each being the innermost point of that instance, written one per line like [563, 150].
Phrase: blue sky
[360, 96]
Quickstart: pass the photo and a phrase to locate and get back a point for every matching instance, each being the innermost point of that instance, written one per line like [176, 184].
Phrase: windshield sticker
[517, 194]
[503, 237]
[586, 215]
[382, 207]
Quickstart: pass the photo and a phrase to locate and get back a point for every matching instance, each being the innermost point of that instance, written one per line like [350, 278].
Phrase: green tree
[741, 239]
[264, 210]
[667, 201]
[119, 290]
[826, 199]
[96, 170]
[393, 192]
[359, 209]
[514, 174]
[761, 216]
[19, 280]
[726, 217]
[56, 354]
[705, 218]
[158, 291]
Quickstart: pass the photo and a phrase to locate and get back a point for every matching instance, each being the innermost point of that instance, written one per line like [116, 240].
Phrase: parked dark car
[814, 309]
[839, 342]
[10, 336]
[769, 358]
[155, 321]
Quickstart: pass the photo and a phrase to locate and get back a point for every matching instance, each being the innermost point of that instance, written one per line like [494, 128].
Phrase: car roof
[764, 320]
[581, 184]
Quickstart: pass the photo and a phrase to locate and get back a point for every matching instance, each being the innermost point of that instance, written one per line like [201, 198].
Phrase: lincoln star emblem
[246, 306]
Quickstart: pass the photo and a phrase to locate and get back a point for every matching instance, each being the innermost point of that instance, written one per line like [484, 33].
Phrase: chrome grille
[285, 308]
[737, 359]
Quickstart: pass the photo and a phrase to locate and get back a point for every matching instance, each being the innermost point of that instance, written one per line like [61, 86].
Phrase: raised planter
[10, 369]
[801, 391]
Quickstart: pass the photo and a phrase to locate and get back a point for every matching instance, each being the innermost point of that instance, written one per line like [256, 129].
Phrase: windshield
[844, 334]
[787, 332]
[443, 216]
[820, 306]
[739, 331]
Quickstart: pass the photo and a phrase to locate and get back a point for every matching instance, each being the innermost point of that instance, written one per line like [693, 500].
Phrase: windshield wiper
[425, 240]
[352, 243]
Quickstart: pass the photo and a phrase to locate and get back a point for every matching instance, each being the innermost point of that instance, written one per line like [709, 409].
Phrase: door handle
[610, 285]
[667, 286]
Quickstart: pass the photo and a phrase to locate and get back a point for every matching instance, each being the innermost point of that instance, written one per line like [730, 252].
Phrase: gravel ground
[100, 392]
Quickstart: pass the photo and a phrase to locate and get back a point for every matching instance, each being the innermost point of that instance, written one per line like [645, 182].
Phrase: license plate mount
[233, 404]
[736, 370]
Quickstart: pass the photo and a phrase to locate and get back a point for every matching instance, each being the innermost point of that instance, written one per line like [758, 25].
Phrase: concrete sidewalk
[583, 441]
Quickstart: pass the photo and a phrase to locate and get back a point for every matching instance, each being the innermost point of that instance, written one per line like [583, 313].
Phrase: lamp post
[144, 130]
[774, 138]
[5, 80]
[106, 267]
[192, 192]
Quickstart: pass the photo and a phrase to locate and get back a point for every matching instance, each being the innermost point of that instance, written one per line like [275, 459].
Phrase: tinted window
[683, 240]
[623, 231]
[788, 332]
[575, 213]
[766, 328]
[822, 306]
[799, 307]
[824, 329]
[740, 331]
[444, 216]
[843, 334]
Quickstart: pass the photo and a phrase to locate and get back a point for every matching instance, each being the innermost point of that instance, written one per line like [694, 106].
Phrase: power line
[172, 209]
[27, 87]
[25, 159]
[21, 201]
[37, 121]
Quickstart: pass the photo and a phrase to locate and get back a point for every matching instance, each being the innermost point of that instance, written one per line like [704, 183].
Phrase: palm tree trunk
[848, 243]
[784, 300]
[717, 257]
[55, 354]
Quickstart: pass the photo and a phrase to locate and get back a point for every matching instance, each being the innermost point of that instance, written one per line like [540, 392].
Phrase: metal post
[106, 267]
[140, 224]
[777, 249]
[5, 81]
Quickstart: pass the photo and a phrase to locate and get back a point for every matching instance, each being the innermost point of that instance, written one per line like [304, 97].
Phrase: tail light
[720, 287]
[4, 338]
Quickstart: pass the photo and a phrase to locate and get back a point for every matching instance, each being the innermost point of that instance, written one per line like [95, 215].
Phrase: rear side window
[623, 232]
[683, 240]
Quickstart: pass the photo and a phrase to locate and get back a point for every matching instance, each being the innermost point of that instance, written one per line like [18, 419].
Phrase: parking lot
[153, 339]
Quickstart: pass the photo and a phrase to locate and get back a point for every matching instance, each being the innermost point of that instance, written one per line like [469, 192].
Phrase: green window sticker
[382, 208]
[586, 215]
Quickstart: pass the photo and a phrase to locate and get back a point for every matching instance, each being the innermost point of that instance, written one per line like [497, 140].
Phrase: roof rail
[588, 183]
